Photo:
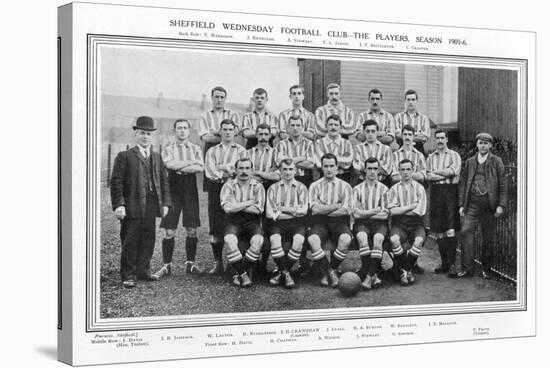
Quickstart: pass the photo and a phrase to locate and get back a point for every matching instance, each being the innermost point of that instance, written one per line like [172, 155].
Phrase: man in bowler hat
[482, 197]
[139, 194]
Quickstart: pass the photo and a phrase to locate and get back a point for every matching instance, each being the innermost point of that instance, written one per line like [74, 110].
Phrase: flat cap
[484, 137]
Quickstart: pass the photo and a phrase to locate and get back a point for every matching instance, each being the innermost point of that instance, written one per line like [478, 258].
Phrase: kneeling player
[371, 223]
[407, 205]
[330, 201]
[243, 200]
[286, 209]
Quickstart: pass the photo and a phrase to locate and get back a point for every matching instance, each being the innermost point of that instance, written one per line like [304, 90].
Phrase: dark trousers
[479, 212]
[138, 242]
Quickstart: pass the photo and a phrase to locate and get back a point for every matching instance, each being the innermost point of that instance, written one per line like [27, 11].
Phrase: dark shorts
[243, 225]
[333, 227]
[371, 227]
[185, 201]
[216, 214]
[444, 207]
[408, 228]
[287, 228]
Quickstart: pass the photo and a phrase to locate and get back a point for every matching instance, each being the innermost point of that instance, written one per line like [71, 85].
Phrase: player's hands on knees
[499, 212]
[120, 212]
[164, 211]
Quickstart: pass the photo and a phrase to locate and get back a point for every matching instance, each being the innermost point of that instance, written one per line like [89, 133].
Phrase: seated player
[243, 200]
[286, 209]
[371, 223]
[407, 205]
[330, 202]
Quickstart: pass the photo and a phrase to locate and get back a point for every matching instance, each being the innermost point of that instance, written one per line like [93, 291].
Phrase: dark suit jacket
[497, 185]
[129, 182]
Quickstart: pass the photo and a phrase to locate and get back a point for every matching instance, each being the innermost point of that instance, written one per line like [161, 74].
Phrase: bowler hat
[484, 137]
[145, 123]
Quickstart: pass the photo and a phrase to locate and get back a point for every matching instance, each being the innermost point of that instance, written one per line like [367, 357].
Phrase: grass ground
[182, 294]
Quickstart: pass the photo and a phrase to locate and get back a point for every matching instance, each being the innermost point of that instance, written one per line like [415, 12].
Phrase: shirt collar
[292, 183]
[446, 150]
[330, 140]
[339, 107]
[380, 112]
[144, 150]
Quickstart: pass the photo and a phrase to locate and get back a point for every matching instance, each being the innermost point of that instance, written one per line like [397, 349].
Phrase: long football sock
[191, 248]
[167, 250]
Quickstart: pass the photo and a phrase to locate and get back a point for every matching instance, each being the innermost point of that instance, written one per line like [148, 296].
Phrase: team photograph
[235, 183]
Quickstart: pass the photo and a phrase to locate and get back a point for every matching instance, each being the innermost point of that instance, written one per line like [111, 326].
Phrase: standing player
[372, 148]
[482, 198]
[411, 116]
[297, 148]
[209, 121]
[286, 208]
[335, 106]
[263, 158]
[243, 200]
[338, 146]
[371, 223]
[183, 160]
[407, 205]
[330, 202]
[385, 120]
[260, 115]
[297, 109]
[443, 167]
[407, 151]
[219, 167]
[139, 194]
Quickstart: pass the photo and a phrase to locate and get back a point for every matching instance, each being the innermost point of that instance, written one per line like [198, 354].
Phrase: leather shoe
[441, 269]
[245, 280]
[403, 278]
[191, 267]
[410, 277]
[289, 282]
[452, 272]
[367, 283]
[276, 280]
[217, 269]
[147, 277]
[376, 282]
[333, 278]
[128, 283]
[165, 270]
[463, 274]
[486, 275]
[324, 280]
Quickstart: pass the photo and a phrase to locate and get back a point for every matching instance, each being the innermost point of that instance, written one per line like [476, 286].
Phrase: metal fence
[506, 241]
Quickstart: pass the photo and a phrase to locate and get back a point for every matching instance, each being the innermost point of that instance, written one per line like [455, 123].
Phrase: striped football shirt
[186, 151]
[349, 124]
[447, 159]
[222, 154]
[307, 117]
[385, 120]
[282, 194]
[377, 150]
[252, 119]
[233, 192]
[419, 121]
[417, 158]
[327, 192]
[289, 148]
[210, 120]
[340, 147]
[401, 194]
[367, 197]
